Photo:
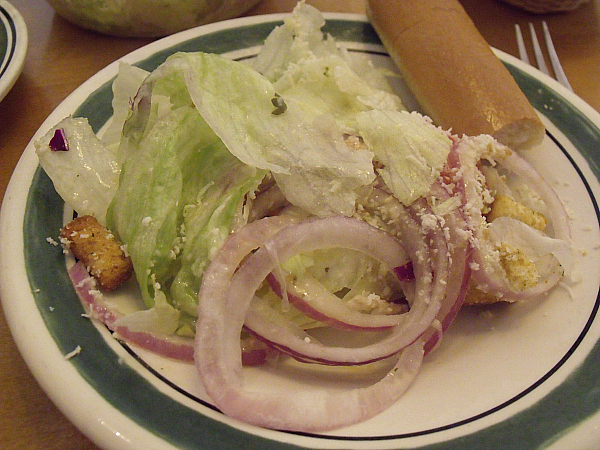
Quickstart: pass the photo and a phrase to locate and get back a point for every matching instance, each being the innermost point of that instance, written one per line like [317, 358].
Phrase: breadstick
[453, 73]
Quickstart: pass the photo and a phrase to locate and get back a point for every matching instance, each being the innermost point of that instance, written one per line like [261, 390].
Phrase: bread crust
[97, 248]
[452, 71]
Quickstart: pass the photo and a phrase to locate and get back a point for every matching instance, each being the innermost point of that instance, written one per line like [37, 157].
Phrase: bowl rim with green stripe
[13, 46]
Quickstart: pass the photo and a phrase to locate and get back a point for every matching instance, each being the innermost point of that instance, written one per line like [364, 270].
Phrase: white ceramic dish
[13, 46]
[524, 376]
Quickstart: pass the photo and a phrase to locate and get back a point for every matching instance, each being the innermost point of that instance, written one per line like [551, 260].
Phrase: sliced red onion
[405, 272]
[559, 218]
[90, 296]
[176, 347]
[459, 250]
[487, 276]
[357, 235]
[58, 142]
[448, 241]
[311, 298]
[224, 301]
[458, 278]
[254, 352]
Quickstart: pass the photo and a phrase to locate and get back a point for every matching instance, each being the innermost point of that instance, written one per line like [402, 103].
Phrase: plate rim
[16, 59]
[73, 100]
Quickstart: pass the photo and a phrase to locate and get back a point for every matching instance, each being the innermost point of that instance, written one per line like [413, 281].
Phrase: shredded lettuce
[307, 154]
[312, 68]
[352, 275]
[411, 150]
[86, 176]
[162, 318]
[178, 166]
[124, 89]
[191, 141]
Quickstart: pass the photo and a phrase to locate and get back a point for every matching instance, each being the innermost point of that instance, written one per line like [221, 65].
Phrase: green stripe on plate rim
[132, 394]
[7, 30]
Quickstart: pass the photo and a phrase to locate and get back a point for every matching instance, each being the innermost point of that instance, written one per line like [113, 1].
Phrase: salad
[291, 207]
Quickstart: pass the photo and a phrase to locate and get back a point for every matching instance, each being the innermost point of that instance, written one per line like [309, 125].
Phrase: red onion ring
[559, 218]
[448, 241]
[485, 277]
[222, 310]
[459, 254]
[315, 301]
[174, 347]
[346, 232]
[449, 185]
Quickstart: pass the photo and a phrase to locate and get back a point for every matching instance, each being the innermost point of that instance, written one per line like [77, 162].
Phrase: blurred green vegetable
[147, 18]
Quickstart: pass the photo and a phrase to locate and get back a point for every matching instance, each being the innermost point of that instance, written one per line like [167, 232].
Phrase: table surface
[62, 56]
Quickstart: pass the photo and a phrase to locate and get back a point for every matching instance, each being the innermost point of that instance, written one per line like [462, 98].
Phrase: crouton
[521, 272]
[507, 207]
[96, 247]
[476, 296]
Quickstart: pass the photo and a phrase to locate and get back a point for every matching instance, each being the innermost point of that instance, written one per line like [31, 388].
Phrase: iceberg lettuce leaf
[124, 89]
[305, 64]
[411, 150]
[306, 152]
[86, 175]
[176, 161]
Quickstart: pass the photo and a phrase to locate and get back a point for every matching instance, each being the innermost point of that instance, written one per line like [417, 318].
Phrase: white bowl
[147, 18]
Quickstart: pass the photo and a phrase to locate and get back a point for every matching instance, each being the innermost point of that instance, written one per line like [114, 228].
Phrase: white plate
[13, 46]
[520, 376]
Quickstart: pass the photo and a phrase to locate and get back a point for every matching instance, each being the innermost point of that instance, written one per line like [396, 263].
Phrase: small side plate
[13, 46]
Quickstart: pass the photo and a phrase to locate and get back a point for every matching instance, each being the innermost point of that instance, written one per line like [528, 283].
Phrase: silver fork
[539, 57]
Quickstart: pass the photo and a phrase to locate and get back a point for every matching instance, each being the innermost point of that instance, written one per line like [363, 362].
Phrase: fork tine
[521, 44]
[539, 57]
[558, 70]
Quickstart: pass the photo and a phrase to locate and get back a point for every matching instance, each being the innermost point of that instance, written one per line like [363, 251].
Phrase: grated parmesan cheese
[76, 351]
[52, 241]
